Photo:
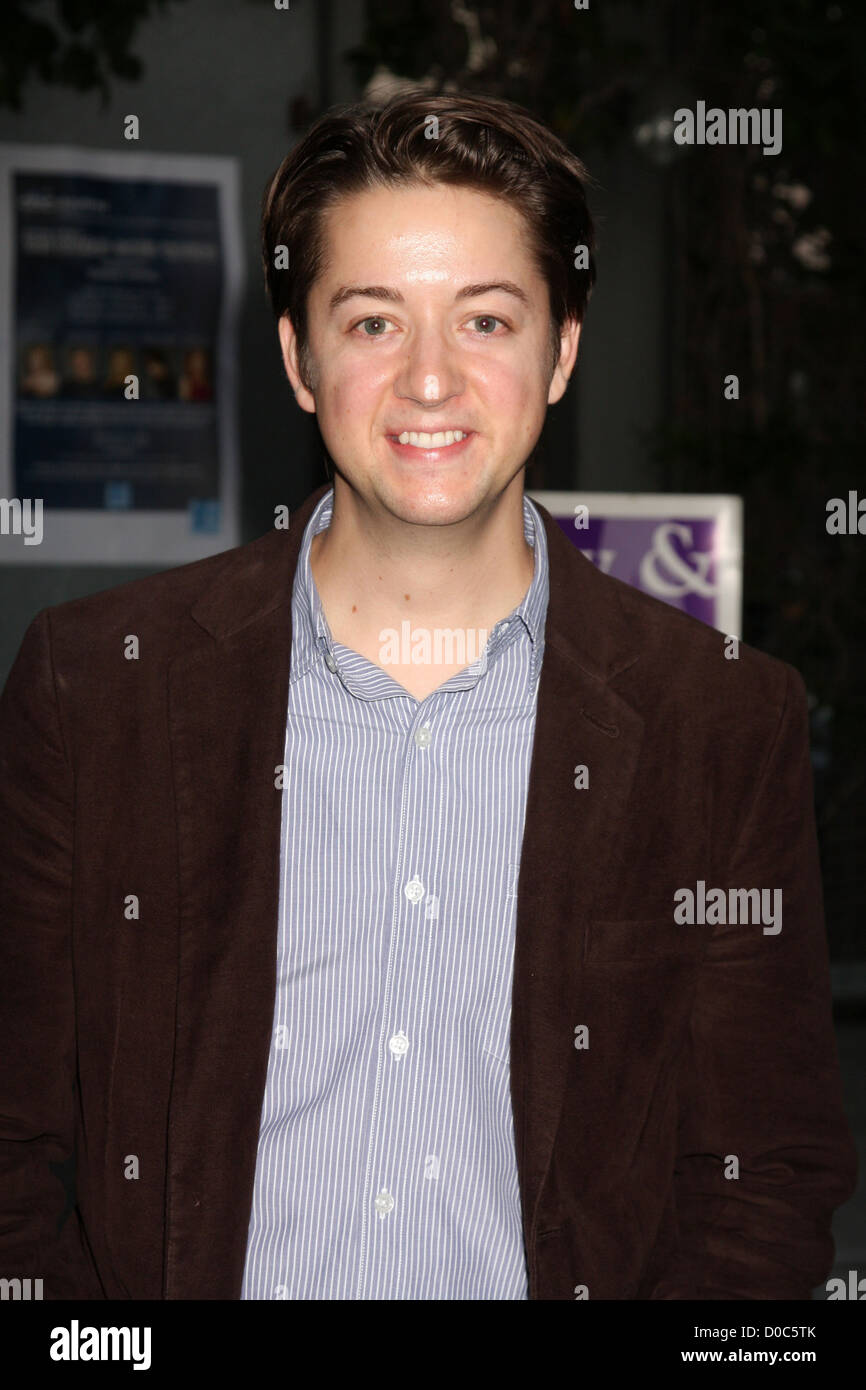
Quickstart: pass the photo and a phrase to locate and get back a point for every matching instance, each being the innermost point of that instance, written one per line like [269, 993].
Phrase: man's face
[428, 355]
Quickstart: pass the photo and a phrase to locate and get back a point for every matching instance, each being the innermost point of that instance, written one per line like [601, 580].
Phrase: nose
[429, 373]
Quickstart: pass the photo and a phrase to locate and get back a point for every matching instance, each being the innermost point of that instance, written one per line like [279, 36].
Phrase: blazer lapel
[569, 844]
[228, 695]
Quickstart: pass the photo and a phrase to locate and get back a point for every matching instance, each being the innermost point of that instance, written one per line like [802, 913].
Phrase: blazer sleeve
[38, 1238]
[760, 1081]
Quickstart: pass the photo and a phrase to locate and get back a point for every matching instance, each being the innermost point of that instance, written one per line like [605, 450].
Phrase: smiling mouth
[440, 440]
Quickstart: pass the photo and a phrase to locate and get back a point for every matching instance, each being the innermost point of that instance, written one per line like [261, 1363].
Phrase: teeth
[431, 441]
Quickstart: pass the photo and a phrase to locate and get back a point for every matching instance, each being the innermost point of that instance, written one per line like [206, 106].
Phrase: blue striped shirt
[386, 1164]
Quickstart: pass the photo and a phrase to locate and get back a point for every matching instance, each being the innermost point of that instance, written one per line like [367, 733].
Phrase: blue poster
[120, 372]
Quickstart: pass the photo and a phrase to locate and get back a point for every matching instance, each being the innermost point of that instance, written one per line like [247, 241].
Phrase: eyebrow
[393, 296]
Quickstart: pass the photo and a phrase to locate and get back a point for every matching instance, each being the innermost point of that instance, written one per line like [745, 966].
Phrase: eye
[373, 318]
[487, 318]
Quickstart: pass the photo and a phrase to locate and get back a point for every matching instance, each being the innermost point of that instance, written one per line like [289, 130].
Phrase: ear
[565, 365]
[289, 346]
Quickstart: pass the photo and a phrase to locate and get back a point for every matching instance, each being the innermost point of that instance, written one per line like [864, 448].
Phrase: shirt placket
[390, 1179]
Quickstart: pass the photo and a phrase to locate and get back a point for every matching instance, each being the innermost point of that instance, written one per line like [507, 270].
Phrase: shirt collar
[312, 636]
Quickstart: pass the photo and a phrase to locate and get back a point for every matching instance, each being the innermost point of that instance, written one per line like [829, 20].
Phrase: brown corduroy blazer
[676, 1090]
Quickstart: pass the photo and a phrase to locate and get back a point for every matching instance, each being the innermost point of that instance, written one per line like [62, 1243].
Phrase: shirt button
[423, 737]
[384, 1203]
[414, 890]
[330, 662]
[399, 1045]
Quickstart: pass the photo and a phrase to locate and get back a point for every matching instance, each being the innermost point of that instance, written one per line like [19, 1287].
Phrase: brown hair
[484, 143]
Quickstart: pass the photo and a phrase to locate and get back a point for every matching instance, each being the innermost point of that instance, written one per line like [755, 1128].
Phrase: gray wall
[622, 365]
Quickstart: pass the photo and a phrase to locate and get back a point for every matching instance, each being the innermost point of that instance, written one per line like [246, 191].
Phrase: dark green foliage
[70, 43]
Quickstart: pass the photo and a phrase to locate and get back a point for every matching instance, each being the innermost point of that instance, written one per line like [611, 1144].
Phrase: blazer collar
[584, 617]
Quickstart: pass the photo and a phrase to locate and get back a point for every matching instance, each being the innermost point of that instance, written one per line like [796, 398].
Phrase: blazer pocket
[643, 939]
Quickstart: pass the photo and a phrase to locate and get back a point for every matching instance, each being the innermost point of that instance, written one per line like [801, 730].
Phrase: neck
[373, 570]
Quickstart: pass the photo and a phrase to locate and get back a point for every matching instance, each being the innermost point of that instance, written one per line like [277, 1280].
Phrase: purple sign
[686, 551]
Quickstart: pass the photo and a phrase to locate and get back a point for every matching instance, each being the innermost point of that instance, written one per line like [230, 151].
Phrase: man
[350, 960]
